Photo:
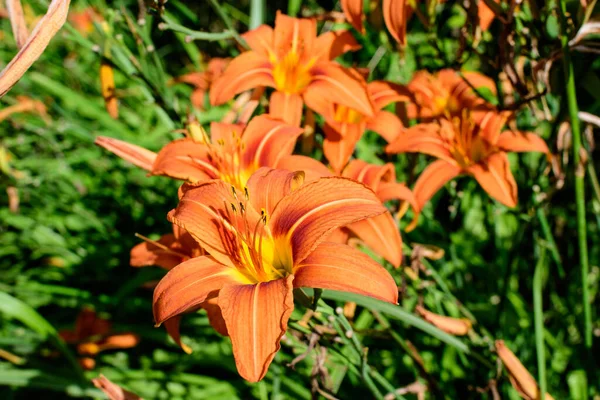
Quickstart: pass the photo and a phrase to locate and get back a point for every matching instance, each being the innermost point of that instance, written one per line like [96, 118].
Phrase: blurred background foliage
[66, 244]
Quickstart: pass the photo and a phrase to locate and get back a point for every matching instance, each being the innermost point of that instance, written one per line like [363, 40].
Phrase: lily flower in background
[263, 242]
[232, 153]
[519, 377]
[296, 63]
[345, 126]
[202, 81]
[447, 94]
[112, 390]
[93, 334]
[83, 20]
[464, 147]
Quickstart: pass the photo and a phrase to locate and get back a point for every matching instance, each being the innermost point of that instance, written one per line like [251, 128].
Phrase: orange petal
[422, 138]
[17, 21]
[260, 40]
[340, 142]
[485, 14]
[490, 123]
[340, 85]
[197, 98]
[306, 216]
[387, 125]
[35, 45]
[266, 140]
[215, 317]
[494, 176]
[172, 327]
[268, 186]
[119, 341]
[286, 107]
[521, 142]
[332, 44]
[436, 175]
[396, 191]
[89, 324]
[453, 326]
[148, 253]
[383, 93]
[113, 391]
[187, 285]
[353, 10]
[396, 14]
[256, 317]
[520, 378]
[185, 159]
[381, 234]
[107, 83]
[478, 80]
[294, 34]
[312, 168]
[340, 267]
[136, 155]
[246, 71]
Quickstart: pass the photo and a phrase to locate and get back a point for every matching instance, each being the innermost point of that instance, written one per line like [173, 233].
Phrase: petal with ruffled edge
[340, 267]
[189, 284]
[305, 217]
[521, 142]
[266, 140]
[383, 93]
[286, 107]
[313, 169]
[396, 14]
[267, 187]
[340, 85]
[185, 159]
[246, 71]
[332, 44]
[256, 317]
[381, 234]
[370, 174]
[495, 177]
[136, 155]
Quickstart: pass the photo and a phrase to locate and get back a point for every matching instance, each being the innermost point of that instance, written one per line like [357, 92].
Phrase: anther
[246, 193]
[233, 207]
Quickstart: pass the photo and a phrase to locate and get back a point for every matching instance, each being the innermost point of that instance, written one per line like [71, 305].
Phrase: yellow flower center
[465, 142]
[347, 115]
[290, 74]
[226, 158]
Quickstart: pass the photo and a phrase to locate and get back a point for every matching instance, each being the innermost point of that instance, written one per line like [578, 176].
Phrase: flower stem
[538, 316]
[579, 177]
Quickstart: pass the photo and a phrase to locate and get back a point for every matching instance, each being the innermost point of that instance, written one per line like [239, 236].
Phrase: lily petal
[422, 138]
[340, 267]
[521, 142]
[381, 234]
[136, 155]
[436, 175]
[215, 317]
[306, 216]
[268, 186]
[312, 168]
[146, 254]
[112, 390]
[287, 107]
[185, 159]
[340, 142]
[246, 71]
[332, 44]
[256, 317]
[384, 93]
[370, 174]
[340, 85]
[353, 9]
[188, 285]
[387, 125]
[486, 15]
[294, 34]
[260, 40]
[17, 21]
[396, 14]
[496, 179]
[172, 327]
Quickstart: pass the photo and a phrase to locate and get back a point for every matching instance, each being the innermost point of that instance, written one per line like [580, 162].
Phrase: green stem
[538, 316]
[550, 241]
[257, 13]
[228, 23]
[579, 177]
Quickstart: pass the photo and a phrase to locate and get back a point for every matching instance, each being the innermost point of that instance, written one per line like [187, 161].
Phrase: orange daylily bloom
[519, 377]
[263, 242]
[485, 15]
[202, 81]
[232, 154]
[294, 61]
[92, 335]
[464, 147]
[446, 94]
[345, 126]
[83, 20]
[380, 233]
[453, 326]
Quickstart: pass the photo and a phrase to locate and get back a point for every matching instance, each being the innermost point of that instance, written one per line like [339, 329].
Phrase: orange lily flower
[345, 126]
[380, 233]
[232, 154]
[464, 147]
[446, 94]
[263, 242]
[92, 335]
[202, 81]
[83, 20]
[485, 14]
[294, 61]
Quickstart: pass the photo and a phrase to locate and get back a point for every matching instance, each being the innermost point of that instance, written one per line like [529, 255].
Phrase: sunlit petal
[495, 177]
[286, 107]
[136, 155]
[521, 142]
[381, 234]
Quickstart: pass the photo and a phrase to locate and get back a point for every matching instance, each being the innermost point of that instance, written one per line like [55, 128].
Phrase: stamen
[160, 245]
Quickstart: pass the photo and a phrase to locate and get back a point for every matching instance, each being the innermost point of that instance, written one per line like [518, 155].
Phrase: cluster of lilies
[255, 221]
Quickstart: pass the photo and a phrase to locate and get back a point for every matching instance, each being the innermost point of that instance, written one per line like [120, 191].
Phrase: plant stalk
[538, 316]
